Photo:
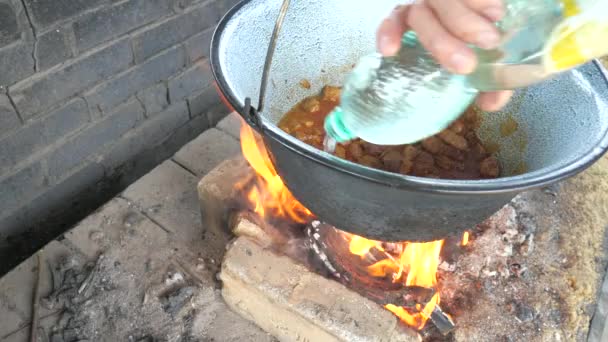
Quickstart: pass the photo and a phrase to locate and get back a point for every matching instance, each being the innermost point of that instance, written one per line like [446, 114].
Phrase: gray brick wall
[88, 89]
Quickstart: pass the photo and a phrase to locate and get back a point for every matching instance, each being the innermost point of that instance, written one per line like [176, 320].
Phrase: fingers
[466, 24]
[391, 30]
[450, 52]
[494, 101]
[493, 10]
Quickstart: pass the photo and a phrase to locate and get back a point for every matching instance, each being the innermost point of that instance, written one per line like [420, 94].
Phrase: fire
[413, 264]
[416, 265]
[465, 239]
[268, 194]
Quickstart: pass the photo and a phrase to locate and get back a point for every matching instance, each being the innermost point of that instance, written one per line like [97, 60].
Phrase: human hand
[445, 27]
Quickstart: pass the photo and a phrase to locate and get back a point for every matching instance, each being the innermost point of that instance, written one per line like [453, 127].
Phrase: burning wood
[400, 276]
[338, 253]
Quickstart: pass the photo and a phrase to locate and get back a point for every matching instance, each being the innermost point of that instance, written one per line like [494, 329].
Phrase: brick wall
[92, 94]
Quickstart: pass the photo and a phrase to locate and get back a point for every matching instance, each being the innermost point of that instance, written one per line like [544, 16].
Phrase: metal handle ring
[267, 65]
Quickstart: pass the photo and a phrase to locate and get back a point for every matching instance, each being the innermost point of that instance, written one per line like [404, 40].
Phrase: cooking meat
[455, 153]
[392, 160]
[454, 139]
[331, 93]
[489, 168]
[311, 105]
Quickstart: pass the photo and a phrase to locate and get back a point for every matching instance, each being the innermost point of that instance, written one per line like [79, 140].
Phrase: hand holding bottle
[444, 28]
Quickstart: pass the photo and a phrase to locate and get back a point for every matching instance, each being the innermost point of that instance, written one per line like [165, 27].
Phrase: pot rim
[518, 183]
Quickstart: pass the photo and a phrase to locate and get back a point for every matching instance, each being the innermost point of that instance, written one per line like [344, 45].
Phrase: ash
[527, 275]
[531, 272]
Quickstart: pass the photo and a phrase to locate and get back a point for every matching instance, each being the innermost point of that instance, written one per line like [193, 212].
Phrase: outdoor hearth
[529, 273]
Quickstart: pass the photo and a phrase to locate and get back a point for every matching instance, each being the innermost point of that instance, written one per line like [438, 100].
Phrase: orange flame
[268, 194]
[416, 266]
[465, 239]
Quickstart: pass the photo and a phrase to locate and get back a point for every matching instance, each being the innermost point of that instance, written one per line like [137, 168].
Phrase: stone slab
[231, 125]
[215, 191]
[168, 196]
[293, 304]
[207, 151]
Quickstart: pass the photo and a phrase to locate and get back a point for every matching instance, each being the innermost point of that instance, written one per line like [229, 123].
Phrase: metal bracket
[253, 113]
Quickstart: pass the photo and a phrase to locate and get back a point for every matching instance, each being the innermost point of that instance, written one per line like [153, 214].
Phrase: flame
[416, 266]
[268, 194]
[465, 239]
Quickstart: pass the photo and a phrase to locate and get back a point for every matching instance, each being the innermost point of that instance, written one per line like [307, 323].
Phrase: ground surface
[137, 269]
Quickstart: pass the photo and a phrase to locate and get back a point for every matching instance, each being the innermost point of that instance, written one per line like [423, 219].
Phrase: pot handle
[254, 113]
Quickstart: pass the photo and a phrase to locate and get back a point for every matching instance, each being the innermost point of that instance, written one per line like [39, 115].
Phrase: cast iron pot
[562, 123]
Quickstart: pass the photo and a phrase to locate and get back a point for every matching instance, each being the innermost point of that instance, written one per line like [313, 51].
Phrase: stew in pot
[455, 153]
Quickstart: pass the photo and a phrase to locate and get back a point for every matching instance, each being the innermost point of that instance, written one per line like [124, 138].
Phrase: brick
[53, 203]
[216, 192]
[102, 229]
[109, 22]
[225, 5]
[287, 300]
[201, 103]
[192, 80]
[45, 89]
[168, 195]
[207, 151]
[9, 120]
[216, 113]
[212, 316]
[109, 94]
[154, 99]
[9, 31]
[45, 13]
[198, 46]
[36, 135]
[22, 186]
[232, 125]
[174, 30]
[180, 5]
[16, 62]
[91, 141]
[146, 137]
[53, 48]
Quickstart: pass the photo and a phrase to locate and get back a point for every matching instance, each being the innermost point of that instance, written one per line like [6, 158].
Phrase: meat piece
[454, 139]
[489, 168]
[433, 145]
[445, 163]
[340, 152]
[370, 161]
[410, 152]
[355, 149]
[452, 152]
[479, 150]
[375, 150]
[285, 128]
[458, 127]
[424, 164]
[311, 105]
[392, 160]
[407, 166]
[331, 93]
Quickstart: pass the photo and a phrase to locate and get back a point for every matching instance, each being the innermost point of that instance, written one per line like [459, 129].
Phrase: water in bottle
[408, 97]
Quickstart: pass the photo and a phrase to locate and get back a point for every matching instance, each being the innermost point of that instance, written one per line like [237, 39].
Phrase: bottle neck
[335, 127]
